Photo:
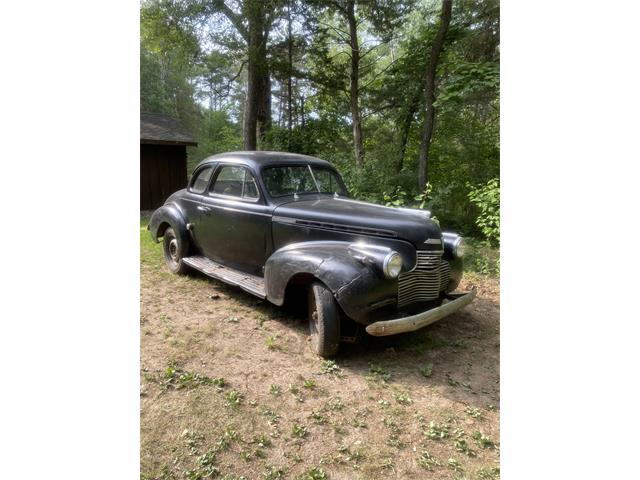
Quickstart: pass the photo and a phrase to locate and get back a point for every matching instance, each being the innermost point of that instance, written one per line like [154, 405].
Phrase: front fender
[357, 286]
[169, 215]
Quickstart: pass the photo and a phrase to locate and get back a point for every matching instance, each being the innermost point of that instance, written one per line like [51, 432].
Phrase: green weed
[402, 398]
[426, 370]
[275, 390]
[377, 373]
[428, 461]
[461, 445]
[455, 465]
[273, 473]
[473, 412]
[299, 431]
[234, 398]
[314, 473]
[482, 440]
[329, 366]
[489, 473]
[437, 431]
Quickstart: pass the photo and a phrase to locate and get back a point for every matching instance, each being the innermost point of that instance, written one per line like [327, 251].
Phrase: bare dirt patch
[421, 405]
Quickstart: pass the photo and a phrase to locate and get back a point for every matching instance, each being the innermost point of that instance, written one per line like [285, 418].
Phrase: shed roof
[161, 129]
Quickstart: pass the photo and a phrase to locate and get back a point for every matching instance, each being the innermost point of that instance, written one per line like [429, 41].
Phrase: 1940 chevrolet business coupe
[275, 223]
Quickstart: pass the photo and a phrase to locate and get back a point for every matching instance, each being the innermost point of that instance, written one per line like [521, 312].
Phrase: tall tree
[354, 77]
[430, 94]
[383, 18]
[253, 23]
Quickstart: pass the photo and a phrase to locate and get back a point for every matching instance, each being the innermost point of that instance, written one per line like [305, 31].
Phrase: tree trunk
[289, 89]
[250, 110]
[354, 89]
[405, 128]
[430, 94]
[264, 103]
[257, 111]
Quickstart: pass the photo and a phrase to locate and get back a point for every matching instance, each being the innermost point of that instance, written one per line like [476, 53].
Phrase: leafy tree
[352, 81]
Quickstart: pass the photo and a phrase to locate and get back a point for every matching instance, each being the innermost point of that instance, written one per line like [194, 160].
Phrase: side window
[202, 180]
[236, 182]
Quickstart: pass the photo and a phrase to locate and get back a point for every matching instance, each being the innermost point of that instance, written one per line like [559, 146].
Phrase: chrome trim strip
[231, 209]
[336, 227]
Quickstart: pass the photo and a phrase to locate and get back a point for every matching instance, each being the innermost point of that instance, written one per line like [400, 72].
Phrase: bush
[487, 198]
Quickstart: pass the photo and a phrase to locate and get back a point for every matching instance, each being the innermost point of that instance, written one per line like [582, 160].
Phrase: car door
[193, 201]
[235, 225]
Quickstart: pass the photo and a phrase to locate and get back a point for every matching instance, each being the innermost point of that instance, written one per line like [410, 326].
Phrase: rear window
[201, 181]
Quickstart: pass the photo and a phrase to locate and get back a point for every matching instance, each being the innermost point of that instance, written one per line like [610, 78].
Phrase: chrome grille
[426, 281]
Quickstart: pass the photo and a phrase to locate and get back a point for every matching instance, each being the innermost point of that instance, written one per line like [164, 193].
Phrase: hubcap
[173, 249]
[314, 321]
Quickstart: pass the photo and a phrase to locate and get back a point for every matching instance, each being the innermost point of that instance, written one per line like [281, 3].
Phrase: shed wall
[163, 170]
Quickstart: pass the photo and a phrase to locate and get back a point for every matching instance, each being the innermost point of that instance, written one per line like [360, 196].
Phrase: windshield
[287, 180]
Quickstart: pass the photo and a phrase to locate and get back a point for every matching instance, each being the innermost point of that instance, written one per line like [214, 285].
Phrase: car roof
[261, 159]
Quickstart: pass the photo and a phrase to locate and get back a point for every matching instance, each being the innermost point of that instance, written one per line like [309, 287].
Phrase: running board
[246, 281]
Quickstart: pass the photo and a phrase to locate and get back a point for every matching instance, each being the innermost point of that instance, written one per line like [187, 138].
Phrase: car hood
[342, 214]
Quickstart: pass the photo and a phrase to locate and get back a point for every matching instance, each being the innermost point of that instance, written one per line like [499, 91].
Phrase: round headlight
[460, 248]
[392, 265]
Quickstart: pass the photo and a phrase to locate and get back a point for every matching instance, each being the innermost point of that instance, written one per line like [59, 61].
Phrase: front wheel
[172, 252]
[324, 321]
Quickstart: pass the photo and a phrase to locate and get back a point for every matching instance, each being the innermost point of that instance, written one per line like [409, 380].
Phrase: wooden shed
[163, 158]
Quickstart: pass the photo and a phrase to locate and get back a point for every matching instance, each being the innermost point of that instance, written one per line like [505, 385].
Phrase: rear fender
[169, 215]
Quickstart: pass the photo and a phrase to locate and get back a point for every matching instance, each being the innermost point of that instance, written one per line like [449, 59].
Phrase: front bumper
[415, 322]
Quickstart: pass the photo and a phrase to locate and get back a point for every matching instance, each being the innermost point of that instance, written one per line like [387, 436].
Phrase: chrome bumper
[415, 322]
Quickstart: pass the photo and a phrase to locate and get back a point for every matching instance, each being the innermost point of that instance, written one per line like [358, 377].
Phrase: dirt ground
[230, 389]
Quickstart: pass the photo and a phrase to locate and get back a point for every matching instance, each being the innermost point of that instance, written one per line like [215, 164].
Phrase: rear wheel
[324, 321]
[173, 249]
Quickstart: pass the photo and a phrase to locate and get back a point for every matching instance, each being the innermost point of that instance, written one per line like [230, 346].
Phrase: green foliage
[193, 67]
[482, 258]
[176, 378]
[487, 198]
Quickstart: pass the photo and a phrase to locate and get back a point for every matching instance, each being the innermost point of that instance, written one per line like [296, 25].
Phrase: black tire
[173, 248]
[324, 321]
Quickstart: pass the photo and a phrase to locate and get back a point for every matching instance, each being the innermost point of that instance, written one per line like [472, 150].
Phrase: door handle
[204, 209]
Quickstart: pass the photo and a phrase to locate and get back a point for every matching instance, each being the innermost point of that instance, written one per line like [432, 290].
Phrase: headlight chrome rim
[390, 270]
[460, 248]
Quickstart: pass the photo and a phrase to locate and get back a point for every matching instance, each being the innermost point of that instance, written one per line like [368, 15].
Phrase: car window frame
[216, 174]
[194, 176]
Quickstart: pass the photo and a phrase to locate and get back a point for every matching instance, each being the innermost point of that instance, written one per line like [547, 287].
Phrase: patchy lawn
[230, 389]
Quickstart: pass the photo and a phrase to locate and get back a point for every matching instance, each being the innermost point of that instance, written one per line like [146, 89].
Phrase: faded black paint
[264, 236]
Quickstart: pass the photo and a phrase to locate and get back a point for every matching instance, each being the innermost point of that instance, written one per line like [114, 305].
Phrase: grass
[219, 399]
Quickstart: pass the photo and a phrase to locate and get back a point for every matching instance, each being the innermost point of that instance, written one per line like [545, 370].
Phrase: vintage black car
[276, 224]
